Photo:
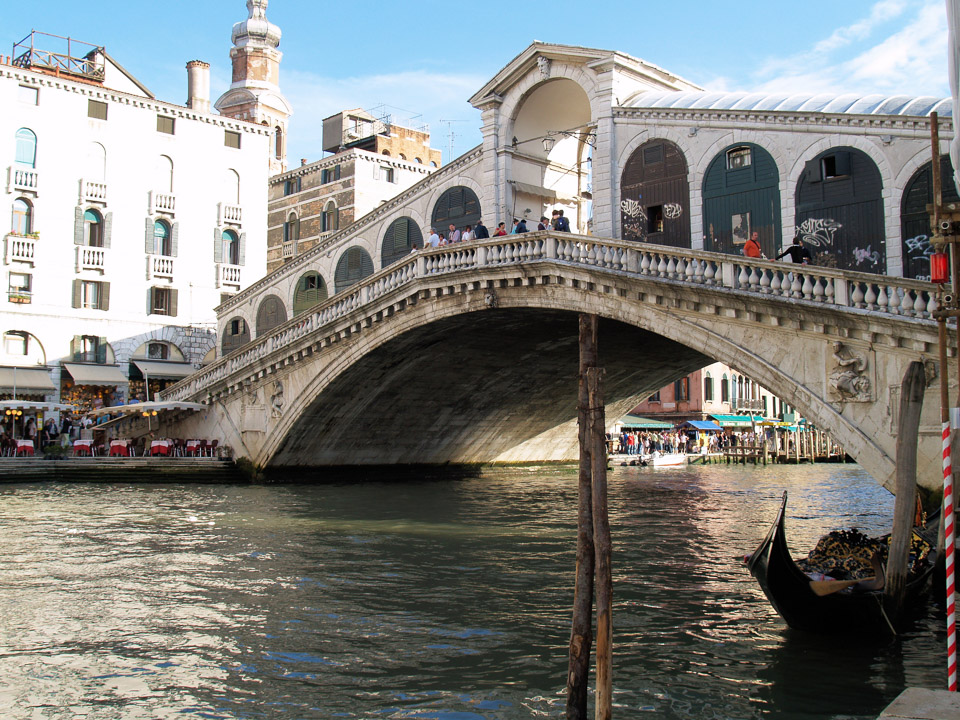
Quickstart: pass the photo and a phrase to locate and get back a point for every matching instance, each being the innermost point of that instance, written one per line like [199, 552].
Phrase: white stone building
[129, 220]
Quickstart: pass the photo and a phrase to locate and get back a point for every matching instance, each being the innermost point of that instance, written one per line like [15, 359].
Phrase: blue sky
[427, 57]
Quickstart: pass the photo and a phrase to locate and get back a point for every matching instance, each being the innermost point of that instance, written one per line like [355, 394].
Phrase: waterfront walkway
[923, 704]
[120, 469]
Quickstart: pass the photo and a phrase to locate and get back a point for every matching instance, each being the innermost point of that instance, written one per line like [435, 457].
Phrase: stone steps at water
[123, 470]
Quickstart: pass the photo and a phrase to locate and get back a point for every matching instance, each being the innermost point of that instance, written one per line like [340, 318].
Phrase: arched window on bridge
[270, 314]
[655, 196]
[235, 334]
[840, 210]
[915, 220]
[724, 389]
[458, 206]
[310, 291]
[708, 388]
[399, 240]
[741, 194]
[354, 265]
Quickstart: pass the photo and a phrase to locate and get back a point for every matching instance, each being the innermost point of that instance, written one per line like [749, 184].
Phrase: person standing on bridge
[751, 248]
[797, 252]
[434, 240]
[501, 230]
[480, 232]
[454, 235]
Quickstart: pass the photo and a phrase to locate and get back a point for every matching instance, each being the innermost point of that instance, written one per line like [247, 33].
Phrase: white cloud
[432, 96]
[910, 60]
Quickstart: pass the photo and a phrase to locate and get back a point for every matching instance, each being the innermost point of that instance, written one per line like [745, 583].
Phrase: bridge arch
[399, 239]
[457, 205]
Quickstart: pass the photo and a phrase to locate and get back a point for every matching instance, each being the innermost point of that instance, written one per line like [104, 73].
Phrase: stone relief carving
[544, 65]
[848, 378]
[276, 399]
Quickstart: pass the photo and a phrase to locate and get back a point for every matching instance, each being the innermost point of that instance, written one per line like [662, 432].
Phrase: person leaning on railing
[797, 252]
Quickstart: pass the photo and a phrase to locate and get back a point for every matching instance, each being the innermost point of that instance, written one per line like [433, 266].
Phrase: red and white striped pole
[949, 546]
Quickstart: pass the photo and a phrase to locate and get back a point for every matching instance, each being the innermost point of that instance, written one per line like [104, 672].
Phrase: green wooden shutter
[76, 347]
[76, 293]
[107, 228]
[78, 227]
[813, 170]
[104, 296]
[174, 237]
[336, 173]
[148, 242]
[217, 245]
[150, 301]
[243, 248]
[173, 302]
[101, 350]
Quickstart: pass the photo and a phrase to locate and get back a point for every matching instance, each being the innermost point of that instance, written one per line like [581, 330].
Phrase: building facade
[129, 220]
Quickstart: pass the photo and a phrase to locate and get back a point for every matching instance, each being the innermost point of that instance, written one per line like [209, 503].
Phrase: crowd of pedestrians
[453, 234]
[642, 442]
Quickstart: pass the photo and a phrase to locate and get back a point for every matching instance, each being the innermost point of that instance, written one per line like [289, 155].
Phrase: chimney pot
[198, 86]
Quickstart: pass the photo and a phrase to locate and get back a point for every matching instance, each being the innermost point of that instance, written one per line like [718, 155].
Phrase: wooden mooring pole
[581, 635]
[904, 509]
[602, 545]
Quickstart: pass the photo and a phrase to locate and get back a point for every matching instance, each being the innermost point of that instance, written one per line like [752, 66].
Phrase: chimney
[198, 86]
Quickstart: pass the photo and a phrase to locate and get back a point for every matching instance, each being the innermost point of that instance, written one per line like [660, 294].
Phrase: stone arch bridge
[468, 354]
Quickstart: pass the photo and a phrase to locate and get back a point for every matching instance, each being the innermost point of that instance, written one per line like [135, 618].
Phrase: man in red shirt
[751, 248]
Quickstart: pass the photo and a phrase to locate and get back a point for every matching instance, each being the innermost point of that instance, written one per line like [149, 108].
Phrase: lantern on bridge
[939, 268]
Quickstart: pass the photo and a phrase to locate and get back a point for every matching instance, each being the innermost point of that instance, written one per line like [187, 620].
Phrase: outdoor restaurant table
[160, 447]
[25, 447]
[119, 448]
[193, 447]
[83, 444]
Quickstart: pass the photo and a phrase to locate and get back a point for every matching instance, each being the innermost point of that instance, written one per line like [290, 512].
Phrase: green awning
[735, 421]
[636, 422]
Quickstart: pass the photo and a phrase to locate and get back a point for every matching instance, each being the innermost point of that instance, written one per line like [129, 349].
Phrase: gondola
[856, 608]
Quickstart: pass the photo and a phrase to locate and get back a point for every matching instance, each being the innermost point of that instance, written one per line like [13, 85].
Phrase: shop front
[149, 377]
[25, 383]
[91, 386]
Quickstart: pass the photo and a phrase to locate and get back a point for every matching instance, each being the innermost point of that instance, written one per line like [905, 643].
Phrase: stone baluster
[920, 304]
[828, 291]
[932, 304]
[883, 299]
[856, 297]
[818, 290]
[807, 289]
[871, 297]
[662, 266]
[644, 263]
[709, 272]
[672, 268]
[743, 279]
[694, 272]
[765, 281]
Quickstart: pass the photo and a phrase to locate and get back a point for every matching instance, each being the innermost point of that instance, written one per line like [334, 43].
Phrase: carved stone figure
[276, 399]
[544, 65]
[848, 379]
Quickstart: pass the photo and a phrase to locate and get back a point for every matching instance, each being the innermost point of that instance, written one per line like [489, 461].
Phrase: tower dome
[256, 29]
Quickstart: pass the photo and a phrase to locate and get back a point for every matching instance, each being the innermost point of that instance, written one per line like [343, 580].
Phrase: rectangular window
[837, 165]
[96, 109]
[92, 295]
[165, 124]
[655, 397]
[386, 174]
[291, 186]
[158, 351]
[738, 158]
[28, 95]
[19, 290]
[231, 139]
[162, 301]
[236, 327]
[15, 343]
[708, 389]
[655, 219]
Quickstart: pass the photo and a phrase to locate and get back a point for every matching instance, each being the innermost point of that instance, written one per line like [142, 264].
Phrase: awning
[153, 408]
[540, 192]
[95, 374]
[705, 425]
[737, 420]
[35, 379]
[27, 406]
[642, 423]
[164, 370]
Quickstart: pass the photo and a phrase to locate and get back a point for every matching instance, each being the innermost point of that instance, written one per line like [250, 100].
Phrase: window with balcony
[22, 217]
[165, 124]
[291, 229]
[96, 110]
[330, 220]
[161, 238]
[26, 148]
[92, 228]
[91, 294]
[20, 289]
[162, 301]
[231, 247]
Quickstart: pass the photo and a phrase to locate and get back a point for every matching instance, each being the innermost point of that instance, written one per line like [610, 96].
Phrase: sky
[421, 60]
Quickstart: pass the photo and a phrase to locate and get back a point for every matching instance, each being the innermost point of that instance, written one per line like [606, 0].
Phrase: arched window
[418, 161]
[231, 186]
[402, 156]
[278, 140]
[291, 228]
[354, 265]
[654, 195]
[26, 148]
[161, 238]
[399, 240]
[231, 247]
[270, 314]
[310, 290]
[163, 175]
[22, 217]
[724, 389]
[433, 164]
[96, 165]
[915, 220]
[330, 220]
[92, 229]
[235, 334]
[387, 153]
[708, 388]
[458, 206]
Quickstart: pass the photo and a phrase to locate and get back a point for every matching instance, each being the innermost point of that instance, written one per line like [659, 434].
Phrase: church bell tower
[254, 94]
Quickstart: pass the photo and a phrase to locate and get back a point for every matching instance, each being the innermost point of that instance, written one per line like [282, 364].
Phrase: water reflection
[426, 599]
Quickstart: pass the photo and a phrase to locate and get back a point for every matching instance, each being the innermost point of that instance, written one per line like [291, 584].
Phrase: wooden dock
[120, 469]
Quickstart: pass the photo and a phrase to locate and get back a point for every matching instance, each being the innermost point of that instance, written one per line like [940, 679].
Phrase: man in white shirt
[434, 238]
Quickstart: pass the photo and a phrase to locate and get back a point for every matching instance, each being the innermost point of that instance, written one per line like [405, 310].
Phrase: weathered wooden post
[602, 545]
[904, 508]
[581, 635]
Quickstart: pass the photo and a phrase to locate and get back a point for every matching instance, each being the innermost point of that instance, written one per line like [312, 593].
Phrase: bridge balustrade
[821, 285]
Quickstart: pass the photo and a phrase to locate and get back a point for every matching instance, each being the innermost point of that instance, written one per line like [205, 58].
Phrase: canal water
[443, 597]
